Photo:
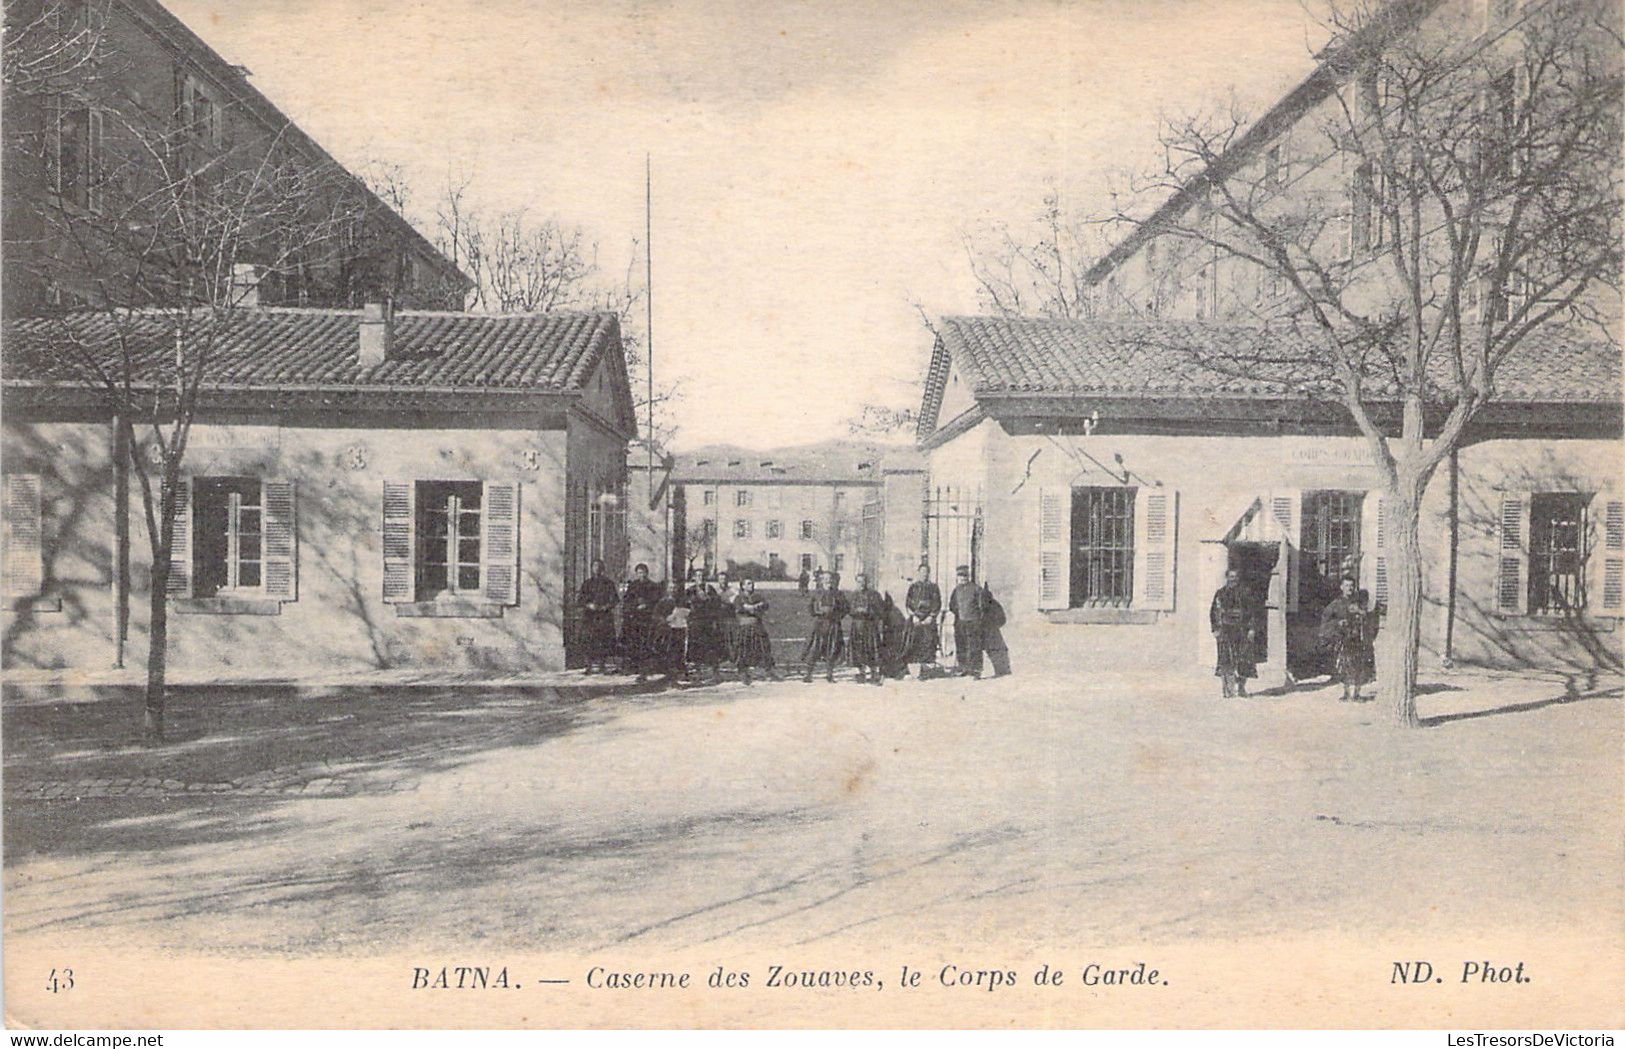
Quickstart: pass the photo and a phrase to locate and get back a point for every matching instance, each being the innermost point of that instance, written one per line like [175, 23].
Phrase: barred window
[1102, 546]
[1557, 554]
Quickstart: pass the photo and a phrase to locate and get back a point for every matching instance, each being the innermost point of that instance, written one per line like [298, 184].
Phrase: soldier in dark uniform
[752, 646]
[867, 609]
[707, 642]
[968, 604]
[638, 610]
[828, 608]
[1234, 617]
[598, 598]
[1348, 628]
[923, 605]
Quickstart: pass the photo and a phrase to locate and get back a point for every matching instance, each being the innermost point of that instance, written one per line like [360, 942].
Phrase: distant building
[835, 507]
[430, 494]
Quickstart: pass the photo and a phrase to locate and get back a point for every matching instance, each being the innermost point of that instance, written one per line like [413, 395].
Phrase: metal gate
[953, 537]
[871, 531]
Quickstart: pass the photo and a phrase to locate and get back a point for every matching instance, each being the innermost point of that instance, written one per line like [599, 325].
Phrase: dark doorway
[1256, 563]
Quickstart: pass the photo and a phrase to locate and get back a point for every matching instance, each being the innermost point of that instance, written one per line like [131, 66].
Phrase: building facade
[435, 505]
[835, 507]
[1113, 484]
[112, 105]
[1115, 466]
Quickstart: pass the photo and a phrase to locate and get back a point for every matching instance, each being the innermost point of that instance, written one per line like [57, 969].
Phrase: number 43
[59, 980]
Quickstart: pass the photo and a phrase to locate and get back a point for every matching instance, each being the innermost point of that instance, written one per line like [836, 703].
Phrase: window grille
[1102, 547]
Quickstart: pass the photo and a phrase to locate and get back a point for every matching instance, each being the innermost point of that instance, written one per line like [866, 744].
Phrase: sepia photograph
[968, 514]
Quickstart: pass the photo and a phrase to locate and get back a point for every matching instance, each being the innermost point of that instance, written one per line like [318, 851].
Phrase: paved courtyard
[589, 816]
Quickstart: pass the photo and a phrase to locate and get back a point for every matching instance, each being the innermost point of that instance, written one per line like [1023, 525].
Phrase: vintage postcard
[972, 514]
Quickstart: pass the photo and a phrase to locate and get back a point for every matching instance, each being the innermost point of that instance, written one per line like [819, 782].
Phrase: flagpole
[649, 351]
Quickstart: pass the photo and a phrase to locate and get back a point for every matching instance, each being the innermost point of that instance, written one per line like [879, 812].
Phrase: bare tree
[153, 231]
[521, 264]
[1453, 195]
[1036, 270]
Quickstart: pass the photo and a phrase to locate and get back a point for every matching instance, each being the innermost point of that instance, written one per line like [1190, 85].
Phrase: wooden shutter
[180, 546]
[1605, 556]
[400, 579]
[1286, 511]
[499, 547]
[1512, 554]
[24, 531]
[1374, 549]
[1155, 519]
[1054, 548]
[281, 541]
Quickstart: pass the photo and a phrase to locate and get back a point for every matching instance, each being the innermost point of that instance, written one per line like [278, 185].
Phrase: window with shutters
[741, 529]
[1557, 552]
[235, 544]
[1102, 547]
[228, 538]
[742, 497]
[806, 529]
[1330, 545]
[775, 529]
[448, 538]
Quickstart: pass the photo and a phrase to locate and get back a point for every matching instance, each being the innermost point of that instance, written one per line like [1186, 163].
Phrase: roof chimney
[245, 284]
[377, 333]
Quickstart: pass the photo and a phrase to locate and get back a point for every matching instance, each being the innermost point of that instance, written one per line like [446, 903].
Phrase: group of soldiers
[1348, 628]
[688, 632]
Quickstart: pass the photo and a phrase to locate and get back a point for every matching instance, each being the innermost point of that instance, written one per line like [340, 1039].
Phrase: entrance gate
[871, 535]
[953, 537]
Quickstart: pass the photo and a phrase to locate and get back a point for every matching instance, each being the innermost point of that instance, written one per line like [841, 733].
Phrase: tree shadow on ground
[233, 741]
[381, 893]
[1571, 695]
[1324, 683]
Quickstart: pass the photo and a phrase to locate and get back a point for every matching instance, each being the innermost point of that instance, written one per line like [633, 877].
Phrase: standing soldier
[1234, 618]
[923, 604]
[728, 594]
[638, 621]
[752, 646]
[1348, 628]
[828, 608]
[598, 599]
[707, 641]
[863, 643]
[968, 606]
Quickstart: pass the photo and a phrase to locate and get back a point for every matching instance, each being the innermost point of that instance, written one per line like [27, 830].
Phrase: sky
[816, 165]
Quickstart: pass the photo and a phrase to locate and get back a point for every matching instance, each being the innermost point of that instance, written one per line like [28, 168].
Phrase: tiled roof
[1173, 359]
[283, 348]
[831, 461]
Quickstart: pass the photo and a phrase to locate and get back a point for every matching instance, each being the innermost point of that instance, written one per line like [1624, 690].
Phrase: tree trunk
[157, 653]
[1399, 641]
